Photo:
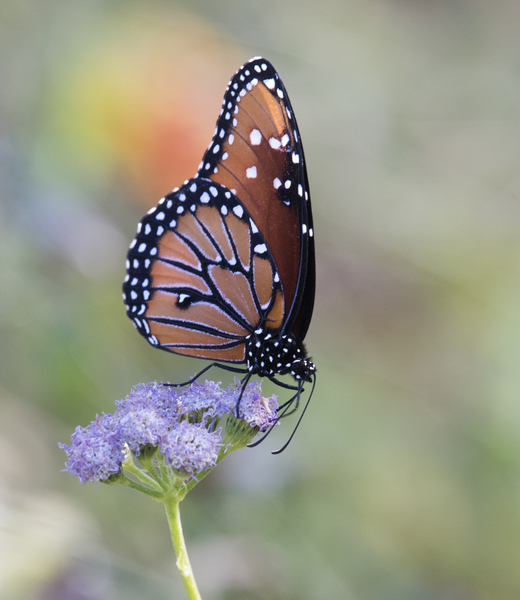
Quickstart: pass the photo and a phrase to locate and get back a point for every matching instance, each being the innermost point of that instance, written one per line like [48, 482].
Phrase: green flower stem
[148, 463]
[183, 562]
[141, 488]
[132, 468]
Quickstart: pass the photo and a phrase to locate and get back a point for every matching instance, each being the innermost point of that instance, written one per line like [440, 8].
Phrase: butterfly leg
[284, 408]
[287, 386]
[214, 364]
[243, 383]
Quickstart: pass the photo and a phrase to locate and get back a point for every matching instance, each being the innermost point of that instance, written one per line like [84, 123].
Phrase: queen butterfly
[223, 267]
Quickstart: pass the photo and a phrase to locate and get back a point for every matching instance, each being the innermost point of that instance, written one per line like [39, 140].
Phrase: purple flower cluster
[182, 423]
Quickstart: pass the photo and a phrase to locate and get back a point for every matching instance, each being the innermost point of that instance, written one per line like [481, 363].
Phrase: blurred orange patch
[141, 107]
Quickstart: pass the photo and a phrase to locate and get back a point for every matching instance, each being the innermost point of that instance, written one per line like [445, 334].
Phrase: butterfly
[223, 268]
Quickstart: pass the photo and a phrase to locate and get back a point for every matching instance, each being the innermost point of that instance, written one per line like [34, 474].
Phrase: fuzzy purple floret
[190, 448]
[96, 451]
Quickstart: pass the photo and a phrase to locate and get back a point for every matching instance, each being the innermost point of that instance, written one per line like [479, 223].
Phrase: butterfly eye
[223, 268]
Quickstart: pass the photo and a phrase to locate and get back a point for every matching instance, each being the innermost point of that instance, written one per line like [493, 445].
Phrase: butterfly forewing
[256, 152]
[200, 276]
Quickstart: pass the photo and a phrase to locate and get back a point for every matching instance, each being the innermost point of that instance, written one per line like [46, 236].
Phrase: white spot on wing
[277, 183]
[256, 137]
[251, 172]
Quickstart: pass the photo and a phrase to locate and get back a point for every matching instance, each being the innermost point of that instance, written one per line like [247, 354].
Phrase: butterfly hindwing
[200, 275]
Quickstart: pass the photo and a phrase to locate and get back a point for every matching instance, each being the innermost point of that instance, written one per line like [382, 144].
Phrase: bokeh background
[403, 481]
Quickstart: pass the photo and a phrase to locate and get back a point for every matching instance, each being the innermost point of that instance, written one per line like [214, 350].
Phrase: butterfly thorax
[268, 355]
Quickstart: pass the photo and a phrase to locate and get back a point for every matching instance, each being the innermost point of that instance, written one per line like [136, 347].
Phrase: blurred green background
[403, 481]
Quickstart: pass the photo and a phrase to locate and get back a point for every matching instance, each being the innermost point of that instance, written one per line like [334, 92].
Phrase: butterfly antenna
[299, 421]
